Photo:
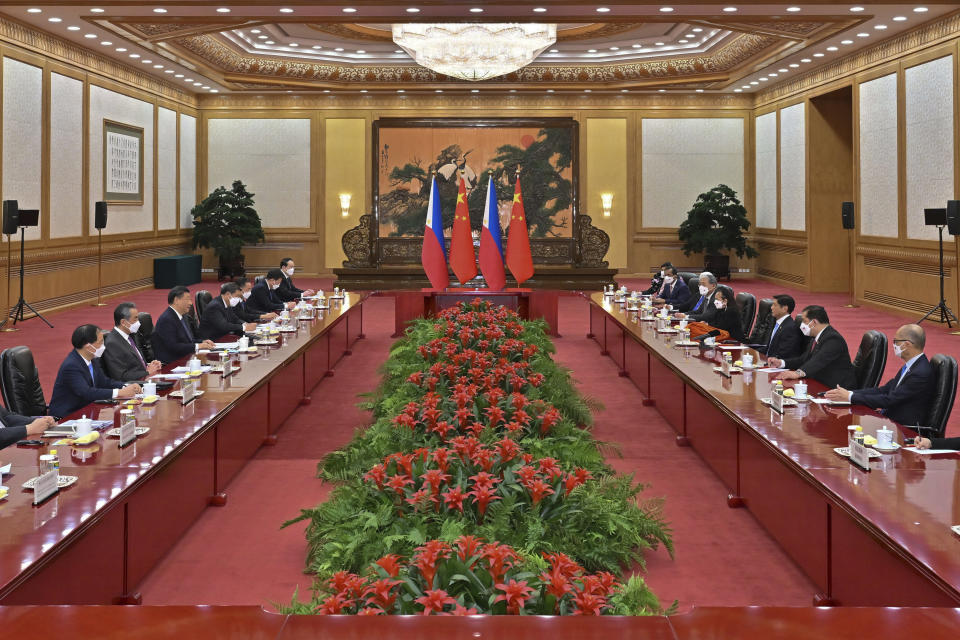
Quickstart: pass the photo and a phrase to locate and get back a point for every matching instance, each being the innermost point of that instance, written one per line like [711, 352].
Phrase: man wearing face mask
[173, 338]
[656, 284]
[219, 318]
[288, 291]
[702, 309]
[827, 360]
[908, 396]
[122, 359]
[675, 291]
[263, 296]
[242, 311]
[81, 379]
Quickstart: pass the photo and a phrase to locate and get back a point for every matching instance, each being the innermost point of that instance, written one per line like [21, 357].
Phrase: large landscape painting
[409, 152]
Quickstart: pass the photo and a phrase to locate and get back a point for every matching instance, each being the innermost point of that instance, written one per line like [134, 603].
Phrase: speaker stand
[16, 313]
[99, 303]
[946, 315]
[851, 266]
[9, 276]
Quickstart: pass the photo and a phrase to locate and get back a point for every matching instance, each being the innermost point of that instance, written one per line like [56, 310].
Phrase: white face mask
[246, 294]
[897, 350]
[667, 279]
[290, 272]
[805, 328]
[134, 327]
[275, 286]
[99, 351]
[718, 304]
[234, 301]
[703, 290]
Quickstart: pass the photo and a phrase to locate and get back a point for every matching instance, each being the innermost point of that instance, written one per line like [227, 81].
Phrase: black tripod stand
[16, 312]
[945, 314]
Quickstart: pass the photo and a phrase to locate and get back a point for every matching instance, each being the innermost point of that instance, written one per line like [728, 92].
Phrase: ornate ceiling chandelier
[475, 51]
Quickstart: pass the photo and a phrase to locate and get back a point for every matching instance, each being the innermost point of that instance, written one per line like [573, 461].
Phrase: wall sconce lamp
[606, 200]
[345, 205]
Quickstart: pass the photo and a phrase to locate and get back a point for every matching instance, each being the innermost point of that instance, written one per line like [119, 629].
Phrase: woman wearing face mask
[81, 379]
[728, 314]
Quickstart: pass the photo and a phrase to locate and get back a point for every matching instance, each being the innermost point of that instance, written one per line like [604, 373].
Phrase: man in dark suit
[908, 396]
[786, 340]
[218, 317]
[263, 296]
[81, 379]
[172, 336]
[14, 427]
[702, 309]
[656, 284]
[122, 359]
[288, 291]
[242, 311]
[675, 291]
[827, 360]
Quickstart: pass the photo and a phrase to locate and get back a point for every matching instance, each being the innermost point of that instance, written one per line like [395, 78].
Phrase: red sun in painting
[526, 140]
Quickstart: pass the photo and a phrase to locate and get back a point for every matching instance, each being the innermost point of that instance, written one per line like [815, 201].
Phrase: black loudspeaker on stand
[99, 223]
[950, 218]
[14, 218]
[848, 221]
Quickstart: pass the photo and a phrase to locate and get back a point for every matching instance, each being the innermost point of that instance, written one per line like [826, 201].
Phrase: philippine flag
[434, 255]
[491, 247]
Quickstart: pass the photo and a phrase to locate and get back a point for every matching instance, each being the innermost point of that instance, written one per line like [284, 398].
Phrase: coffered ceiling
[339, 47]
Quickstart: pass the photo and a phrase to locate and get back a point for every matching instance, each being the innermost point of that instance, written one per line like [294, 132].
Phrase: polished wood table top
[910, 499]
[106, 472]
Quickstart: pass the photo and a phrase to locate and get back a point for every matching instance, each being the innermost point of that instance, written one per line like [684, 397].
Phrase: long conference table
[877, 538]
[95, 541]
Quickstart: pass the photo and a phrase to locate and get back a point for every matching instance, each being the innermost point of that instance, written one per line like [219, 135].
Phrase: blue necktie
[776, 325]
[903, 370]
[186, 325]
[93, 379]
[699, 302]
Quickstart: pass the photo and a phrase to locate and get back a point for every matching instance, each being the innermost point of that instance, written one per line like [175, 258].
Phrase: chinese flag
[463, 261]
[518, 240]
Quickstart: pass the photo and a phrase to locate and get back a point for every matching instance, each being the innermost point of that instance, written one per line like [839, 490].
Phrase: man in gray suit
[122, 359]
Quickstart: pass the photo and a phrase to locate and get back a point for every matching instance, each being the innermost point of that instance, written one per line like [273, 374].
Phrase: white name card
[776, 402]
[45, 486]
[859, 455]
[227, 366]
[188, 389]
[128, 432]
[725, 370]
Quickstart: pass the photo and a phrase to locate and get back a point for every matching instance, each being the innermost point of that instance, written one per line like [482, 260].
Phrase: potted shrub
[715, 224]
[225, 221]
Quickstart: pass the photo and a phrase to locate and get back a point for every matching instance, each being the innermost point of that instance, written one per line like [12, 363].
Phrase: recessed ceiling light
[146, 62]
[205, 87]
[223, 10]
[326, 90]
[268, 42]
[591, 50]
[683, 41]
[168, 71]
[662, 90]
[158, 66]
[398, 50]
[96, 10]
[699, 90]
[624, 90]
[188, 79]
[754, 82]
[34, 10]
[879, 27]
[666, 9]
[254, 30]
[659, 44]
[762, 79]
[730, 9]
[846, 42]
[363, 90]
[919, 9]
[696, 29]
[856, 9]
[413, 10]
[793, 65]
[805, 60]
[179, 75]
[197, 84]
[738, 90]
[771, 75]
[690, 35]
[746, 86]
[476, 10]
[636, 45]
[588, 90]
[106, 43]
[361, 50]
[54, 19]
[513, 90]
[793, 9]
[549, 90]
[783, 70]
[863, 34]
[349, 10]
[286, 10]
[401, 91]
[899, 18]
[73, 28]
[262, 37]
[134, 55]
[832, 48]
[121, 49]
[554, 50]
[214, 91]
[316, 46]
[603, 9]
[90, 35]
[339, 49]
[159, 10]
[539, 10]
[818, 55]
[293, 44]
[438, 90]
[474, 90]
[614, 48]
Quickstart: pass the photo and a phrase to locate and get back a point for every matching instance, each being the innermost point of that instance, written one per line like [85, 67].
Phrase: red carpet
[238, 554]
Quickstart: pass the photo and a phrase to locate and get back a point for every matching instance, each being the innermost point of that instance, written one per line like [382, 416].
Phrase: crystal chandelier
[475, 51]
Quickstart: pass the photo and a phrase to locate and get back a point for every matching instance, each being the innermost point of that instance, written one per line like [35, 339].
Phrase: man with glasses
[908, 396]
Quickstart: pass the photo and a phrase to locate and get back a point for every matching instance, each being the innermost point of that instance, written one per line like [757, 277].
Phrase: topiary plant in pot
[225, 221]
[716, 223]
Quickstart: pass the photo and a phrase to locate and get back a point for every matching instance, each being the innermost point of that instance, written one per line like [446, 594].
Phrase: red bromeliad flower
[548, 420]
[333, 605]
[377, 474]
[380, 590]
[416, 378]
[483, 496]
[499, 557]
[427, 556]
[435, 478]
[371, 611]
[564, 564]
[484, 480]
[582, 474]
[340, 580]
[548, 466]
[440, 457]
[495, 415]
[508, 449]
[434, 600]
[527, 475]
[398, 482]
[538, 489]
[557, 584]
[468, 547]
[390, 563]
[589, 604]
[483, 458]
[459, 610]
[515, 594]
[453, 498]
[420, 498]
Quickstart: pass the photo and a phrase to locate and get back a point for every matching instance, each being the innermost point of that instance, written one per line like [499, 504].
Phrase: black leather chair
[201, 301]
[694, 285]
[20, 382]
[687, 275]
[259, 279]
[945, 374]
[747, 303]
[143, 336]
[762, 324]
[871, 359]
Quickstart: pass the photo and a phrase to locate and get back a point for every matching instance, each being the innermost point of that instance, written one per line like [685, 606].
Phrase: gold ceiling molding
[18, 34]
[498, 104]
[227, 59]
[925, 35]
